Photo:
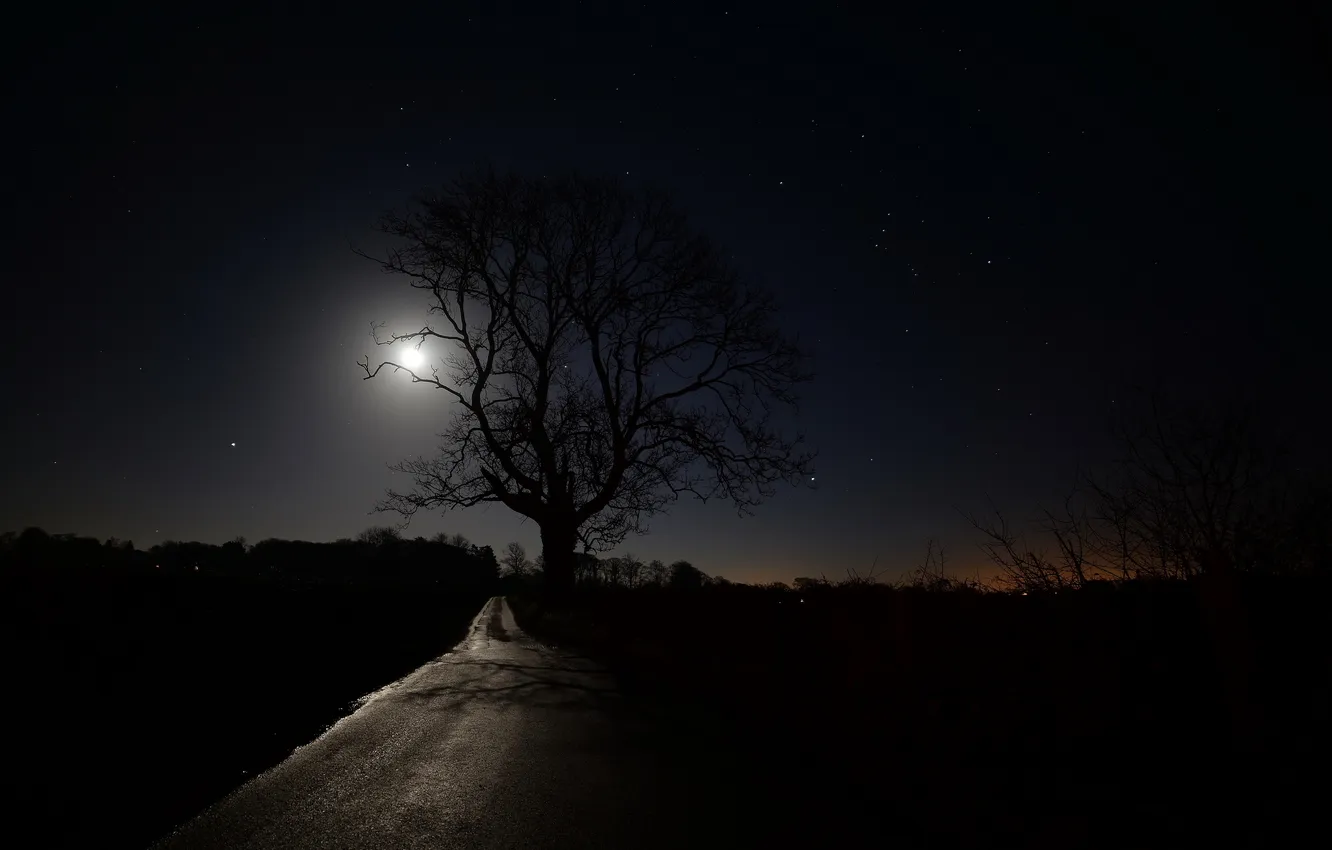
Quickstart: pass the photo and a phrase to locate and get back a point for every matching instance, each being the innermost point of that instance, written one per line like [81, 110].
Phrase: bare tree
[631, 570]
[654, 573]
[515, 561]
[1022, 566]
[380, 535]
[1191, 484]
[602, 359]
[1195, 491]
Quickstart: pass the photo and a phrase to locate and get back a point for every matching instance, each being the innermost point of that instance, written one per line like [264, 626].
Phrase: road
[501, 742]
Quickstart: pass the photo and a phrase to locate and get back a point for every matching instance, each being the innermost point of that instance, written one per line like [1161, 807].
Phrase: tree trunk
[558, 540]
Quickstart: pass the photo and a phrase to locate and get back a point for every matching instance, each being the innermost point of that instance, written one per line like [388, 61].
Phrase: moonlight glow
[412, 358]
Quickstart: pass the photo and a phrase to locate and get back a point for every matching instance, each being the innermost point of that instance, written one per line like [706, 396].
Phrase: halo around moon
[412, 358]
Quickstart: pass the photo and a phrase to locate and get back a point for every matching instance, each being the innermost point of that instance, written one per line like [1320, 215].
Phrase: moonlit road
[501, 742]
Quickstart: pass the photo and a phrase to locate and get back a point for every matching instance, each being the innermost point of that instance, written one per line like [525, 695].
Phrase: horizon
[985, 574]
[987, 226]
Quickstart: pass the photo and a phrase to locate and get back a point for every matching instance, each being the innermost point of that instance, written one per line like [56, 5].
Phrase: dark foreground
[711, 717]
[502, 742]
[134, 699]
[983, 720]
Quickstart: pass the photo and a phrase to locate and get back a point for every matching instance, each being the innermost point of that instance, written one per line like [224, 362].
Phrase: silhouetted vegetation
[602, 360]
[1161, 620]
[146, 684]
[1195, 491]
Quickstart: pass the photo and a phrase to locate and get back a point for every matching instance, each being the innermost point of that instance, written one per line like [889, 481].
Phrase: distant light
[811, 478]
[233, 445]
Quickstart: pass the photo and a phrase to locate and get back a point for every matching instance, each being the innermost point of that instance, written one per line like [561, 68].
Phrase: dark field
[135, 699]
[1100, 718]
[1145, 715]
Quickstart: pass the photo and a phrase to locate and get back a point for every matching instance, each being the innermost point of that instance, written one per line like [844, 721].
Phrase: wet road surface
[501, 742]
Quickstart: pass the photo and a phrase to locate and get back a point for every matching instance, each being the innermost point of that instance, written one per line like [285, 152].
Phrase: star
[233, 445]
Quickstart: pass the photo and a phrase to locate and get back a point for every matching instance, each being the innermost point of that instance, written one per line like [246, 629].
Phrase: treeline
[377, 554]
[620, 571]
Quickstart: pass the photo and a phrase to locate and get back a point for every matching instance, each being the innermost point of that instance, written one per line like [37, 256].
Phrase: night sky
[986, 225]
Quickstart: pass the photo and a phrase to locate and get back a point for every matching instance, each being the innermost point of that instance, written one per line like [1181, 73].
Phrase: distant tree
[610, 571]
[588, 568]
[1192, 486]
[631, 571]
[1195, 491]
[233, 551]
[485, 556]
[460, 541]
[655, 574]
[603, 360]
[380, 535]
[515, 561]
[686, 576]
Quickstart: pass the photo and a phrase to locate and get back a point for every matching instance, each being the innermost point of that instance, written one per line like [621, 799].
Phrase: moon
[413, 359]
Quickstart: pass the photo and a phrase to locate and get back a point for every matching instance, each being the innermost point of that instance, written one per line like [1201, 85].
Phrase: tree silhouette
[1195, 491]
[686, 576]
[515, 561]
[380, 535]
[602, 359]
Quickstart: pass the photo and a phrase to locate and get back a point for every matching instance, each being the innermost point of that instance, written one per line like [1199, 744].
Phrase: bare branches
[1192, 493]
[1021, 566]
[603, 358]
